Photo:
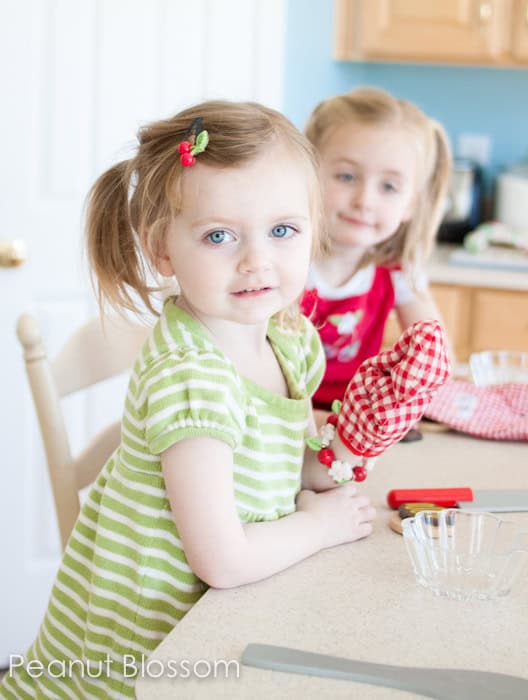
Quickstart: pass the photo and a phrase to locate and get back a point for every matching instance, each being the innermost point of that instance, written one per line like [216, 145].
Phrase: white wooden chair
[96, 351]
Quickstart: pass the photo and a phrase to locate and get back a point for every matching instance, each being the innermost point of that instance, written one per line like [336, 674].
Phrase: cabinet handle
[485, 12]
[12, 253]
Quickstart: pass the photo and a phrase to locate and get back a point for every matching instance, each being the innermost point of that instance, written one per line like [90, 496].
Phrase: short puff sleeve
[190, 394]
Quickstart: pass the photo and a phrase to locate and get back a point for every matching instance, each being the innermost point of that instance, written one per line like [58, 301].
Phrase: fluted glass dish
[498, 367]
[463, 554]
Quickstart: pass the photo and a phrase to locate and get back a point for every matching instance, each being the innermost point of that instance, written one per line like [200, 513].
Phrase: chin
[251, 317]
[356, 238]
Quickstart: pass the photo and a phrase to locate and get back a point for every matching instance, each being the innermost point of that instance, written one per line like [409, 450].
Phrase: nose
[363, 195]
[255, 257]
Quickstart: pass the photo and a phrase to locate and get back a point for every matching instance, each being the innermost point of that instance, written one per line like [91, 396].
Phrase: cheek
[329, 186]
[298, 262]
[193, 274]
[409, 208]
[398, 212]
[333, 196]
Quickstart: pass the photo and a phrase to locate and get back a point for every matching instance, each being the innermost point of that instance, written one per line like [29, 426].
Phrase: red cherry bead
[332, 419]
[326, 456]
[187, 159]
[184, 147]
[360, 473]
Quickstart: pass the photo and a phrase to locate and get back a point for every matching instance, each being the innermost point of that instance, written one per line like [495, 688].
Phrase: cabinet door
[499, 320]
[454, 305]
[519, 46]
[437, 30]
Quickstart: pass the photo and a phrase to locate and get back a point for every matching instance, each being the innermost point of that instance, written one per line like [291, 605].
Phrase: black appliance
[464, 202]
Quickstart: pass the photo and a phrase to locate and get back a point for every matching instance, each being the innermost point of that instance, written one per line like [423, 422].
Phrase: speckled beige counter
[359, 600]
[441, 271]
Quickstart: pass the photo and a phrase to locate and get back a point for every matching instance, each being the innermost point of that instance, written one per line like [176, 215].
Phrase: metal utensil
[439, 683]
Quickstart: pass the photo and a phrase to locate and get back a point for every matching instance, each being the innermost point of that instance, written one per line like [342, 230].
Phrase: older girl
[385, 169]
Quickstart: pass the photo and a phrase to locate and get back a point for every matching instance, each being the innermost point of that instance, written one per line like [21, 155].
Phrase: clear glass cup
[462, 554]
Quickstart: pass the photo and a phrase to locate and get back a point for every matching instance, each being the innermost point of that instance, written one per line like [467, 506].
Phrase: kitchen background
[79, 77]
[486, 101]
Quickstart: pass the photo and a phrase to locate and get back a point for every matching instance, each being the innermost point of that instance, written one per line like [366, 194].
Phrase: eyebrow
[213, 221]
[349, 161]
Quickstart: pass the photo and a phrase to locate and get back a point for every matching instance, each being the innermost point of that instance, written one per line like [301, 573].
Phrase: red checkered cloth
[498, 412]
[391, 391]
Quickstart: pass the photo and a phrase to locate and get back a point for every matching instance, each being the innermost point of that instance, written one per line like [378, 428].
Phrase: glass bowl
[498, 367]
[462, 554]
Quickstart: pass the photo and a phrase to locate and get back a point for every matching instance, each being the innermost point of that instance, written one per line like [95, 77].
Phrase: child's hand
[391, 391]
[342, 514]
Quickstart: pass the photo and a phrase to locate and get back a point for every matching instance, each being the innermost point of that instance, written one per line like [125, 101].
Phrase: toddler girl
[385, 168]
[205, 487]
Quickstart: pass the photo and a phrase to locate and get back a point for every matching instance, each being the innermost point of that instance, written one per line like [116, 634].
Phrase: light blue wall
[491, 101]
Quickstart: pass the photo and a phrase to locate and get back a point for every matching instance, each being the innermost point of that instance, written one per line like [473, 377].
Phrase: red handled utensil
[493, 501]
[440, 497]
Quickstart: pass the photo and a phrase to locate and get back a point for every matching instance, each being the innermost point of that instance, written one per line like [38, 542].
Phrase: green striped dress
[124, 581]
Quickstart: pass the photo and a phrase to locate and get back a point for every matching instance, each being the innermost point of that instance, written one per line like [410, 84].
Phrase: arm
[224, 552]
[422, 307]
[314, 474]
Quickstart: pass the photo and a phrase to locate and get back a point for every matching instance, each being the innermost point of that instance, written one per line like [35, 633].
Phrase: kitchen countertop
[359, 600]
[441, 271]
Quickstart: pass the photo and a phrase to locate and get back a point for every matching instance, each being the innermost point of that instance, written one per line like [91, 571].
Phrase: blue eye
[346, 177]
[282, 231]
[218, 237]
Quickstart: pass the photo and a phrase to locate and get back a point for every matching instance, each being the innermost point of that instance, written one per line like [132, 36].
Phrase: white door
[78, 77]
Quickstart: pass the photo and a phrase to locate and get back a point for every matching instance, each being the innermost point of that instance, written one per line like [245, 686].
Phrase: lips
[354, 220]
[252, 291]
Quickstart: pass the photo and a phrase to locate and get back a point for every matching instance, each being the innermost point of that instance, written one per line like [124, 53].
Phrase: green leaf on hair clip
[201, 143]
[336, 406]
[313, 443]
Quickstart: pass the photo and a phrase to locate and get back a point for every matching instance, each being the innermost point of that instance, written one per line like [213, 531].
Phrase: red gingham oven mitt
[497, 412]
[391, 391]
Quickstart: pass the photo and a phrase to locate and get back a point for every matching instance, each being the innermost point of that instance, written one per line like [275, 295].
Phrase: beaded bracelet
[339, 470]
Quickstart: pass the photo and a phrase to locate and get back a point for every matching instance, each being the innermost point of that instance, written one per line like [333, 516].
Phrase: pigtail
[438, 184]
[418, 235]
[117, 266]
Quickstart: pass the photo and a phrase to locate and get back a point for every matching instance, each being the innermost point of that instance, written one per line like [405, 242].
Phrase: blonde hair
[413, 241]
[131, 205]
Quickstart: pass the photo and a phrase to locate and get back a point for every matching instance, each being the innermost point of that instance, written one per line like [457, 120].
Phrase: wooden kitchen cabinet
[477, 318]
[499, 320]
[519, 39]
[455, 307]
[491, 32]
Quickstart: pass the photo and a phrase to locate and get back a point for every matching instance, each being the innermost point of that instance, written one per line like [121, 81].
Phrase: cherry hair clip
[196, 140]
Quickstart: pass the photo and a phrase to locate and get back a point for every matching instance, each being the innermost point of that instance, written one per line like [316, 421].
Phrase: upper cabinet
[492, 32]
[519, 38]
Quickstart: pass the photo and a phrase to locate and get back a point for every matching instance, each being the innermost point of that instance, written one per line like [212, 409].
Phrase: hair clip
[188, 148]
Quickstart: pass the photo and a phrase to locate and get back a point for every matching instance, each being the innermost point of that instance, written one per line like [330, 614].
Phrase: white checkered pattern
[498, 412]
[391, 391]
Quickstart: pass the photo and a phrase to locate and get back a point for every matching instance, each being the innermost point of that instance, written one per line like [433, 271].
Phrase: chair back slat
[93, 353]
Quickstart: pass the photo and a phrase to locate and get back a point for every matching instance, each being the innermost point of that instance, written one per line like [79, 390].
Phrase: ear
[160, 257]
[162, 261]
